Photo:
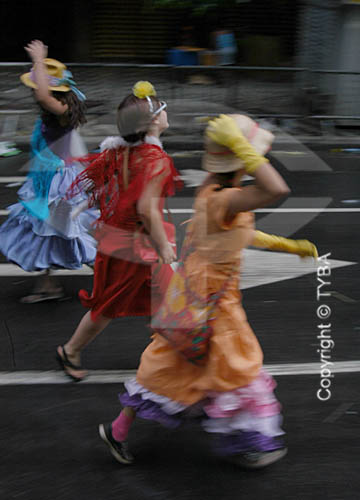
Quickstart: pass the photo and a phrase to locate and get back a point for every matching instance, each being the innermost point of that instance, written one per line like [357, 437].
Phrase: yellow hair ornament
[143, 89]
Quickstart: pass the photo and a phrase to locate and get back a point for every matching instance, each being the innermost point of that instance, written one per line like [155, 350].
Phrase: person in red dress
[129, 181]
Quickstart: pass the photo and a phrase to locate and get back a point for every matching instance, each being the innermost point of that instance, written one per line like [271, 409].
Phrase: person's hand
[225, 131]
[306, 249]
[36, 50]
[303, 248]
[167, 254]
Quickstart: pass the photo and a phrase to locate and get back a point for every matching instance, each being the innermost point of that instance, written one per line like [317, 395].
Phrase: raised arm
[38, 52]
[269, 187]
[303, 248]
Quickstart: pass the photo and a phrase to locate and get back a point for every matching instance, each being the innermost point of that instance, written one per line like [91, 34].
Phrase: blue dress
[39, 232]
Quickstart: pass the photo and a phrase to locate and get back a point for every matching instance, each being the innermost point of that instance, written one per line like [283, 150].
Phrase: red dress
[124, 287]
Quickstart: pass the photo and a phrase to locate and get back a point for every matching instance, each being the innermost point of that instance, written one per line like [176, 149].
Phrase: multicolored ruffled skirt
[245, 419]
[58, 242]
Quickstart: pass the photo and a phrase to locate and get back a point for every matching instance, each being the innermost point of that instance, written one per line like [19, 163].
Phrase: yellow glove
[224, 131]
[303, 248]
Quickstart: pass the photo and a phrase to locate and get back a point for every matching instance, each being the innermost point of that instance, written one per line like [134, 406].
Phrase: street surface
[49, 443]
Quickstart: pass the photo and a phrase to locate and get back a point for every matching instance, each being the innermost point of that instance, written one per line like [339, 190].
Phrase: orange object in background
[208, 58]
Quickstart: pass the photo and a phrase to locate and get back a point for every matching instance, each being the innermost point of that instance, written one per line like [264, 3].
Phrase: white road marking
[195, 178]
[280, 210]
[259, 268]
[298, 220]
[339, 412]
[304, 210]
[5, 180]
[263, 267]
[297, 162]
[12, 270]
[33, 377]
[263, 210]
[342, 297]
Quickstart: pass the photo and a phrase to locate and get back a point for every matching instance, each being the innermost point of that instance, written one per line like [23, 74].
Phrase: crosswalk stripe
[259, 268]
[13, 270]
[263, 210]
[4, 180]
[309, 210]
[35, 377]
[280, 210]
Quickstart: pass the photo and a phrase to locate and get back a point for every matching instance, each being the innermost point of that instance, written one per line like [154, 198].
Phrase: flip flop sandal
[65, 363]
[36, 297]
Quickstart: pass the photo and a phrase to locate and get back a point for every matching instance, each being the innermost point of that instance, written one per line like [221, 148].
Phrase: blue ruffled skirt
[58, 242]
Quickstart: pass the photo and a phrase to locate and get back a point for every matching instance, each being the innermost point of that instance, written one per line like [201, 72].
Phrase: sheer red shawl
[103, 180]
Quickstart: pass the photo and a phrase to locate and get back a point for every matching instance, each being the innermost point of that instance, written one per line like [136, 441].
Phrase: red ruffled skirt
[123, 288]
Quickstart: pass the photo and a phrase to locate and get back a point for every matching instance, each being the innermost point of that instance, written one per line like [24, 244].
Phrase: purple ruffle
[232, 444]
[149, 410]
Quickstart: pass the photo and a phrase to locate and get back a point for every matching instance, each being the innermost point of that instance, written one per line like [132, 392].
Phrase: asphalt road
[48, 432]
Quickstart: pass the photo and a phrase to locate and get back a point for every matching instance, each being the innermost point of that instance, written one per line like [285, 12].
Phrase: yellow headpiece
[143, 89]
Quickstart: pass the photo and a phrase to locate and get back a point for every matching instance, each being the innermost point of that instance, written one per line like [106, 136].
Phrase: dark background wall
[131, 30]
[22, 21]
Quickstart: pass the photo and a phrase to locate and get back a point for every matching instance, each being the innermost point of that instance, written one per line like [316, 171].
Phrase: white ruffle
[116, 141]
[151, 139]
[167, 405]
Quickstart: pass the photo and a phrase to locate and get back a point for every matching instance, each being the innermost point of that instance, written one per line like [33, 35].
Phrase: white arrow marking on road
[259, 268]
[297, 163]
[264, 267]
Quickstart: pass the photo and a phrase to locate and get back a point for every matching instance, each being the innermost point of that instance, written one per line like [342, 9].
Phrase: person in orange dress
[230, 389]
[128, 180]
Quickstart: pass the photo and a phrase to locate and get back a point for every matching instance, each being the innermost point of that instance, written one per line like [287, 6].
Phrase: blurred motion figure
[129, 181]
[40, 234]
[219, 375]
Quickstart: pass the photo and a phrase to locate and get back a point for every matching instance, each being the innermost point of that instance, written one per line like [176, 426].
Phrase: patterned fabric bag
[184, 318]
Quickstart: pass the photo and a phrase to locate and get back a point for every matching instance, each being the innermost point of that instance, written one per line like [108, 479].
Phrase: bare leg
[48, 283]
[86, 331]
[45, 288]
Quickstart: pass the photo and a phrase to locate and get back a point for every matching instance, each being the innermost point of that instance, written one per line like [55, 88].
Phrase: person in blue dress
[40, 233]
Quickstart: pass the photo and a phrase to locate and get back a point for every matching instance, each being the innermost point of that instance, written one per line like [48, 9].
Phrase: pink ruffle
[256, 398]
[245, 422]
[252, 408]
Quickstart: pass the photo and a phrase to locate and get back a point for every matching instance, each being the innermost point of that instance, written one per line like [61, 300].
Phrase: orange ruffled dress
[232, 392]
[235, 357]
